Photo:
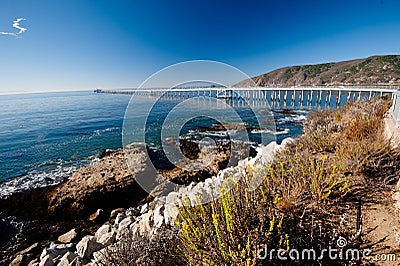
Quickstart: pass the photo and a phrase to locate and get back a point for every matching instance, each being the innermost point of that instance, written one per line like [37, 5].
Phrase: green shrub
[232, 228]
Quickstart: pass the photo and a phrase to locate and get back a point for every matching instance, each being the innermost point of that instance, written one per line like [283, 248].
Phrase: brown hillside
[367, 71]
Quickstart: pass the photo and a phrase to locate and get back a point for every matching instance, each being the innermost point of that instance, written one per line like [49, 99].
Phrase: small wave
[208, 133]
[109, 129]
[37, 179]
[261, 131]
[268, 131]
[302, 111]
[216, 133]
[282, 132]
[135, 143]
[292, 119]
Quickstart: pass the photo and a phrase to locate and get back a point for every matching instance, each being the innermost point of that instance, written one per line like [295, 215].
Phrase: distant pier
[274, 96]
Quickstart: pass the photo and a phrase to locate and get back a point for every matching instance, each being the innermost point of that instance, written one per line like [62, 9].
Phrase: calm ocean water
[44, 137]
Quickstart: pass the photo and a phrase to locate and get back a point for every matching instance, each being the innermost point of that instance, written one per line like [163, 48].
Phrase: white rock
[144, 208]
[134, 229]
[20, 259]
[100, 255]
[54, 251]
[61, 246]
[199, 186]
[183, 191]
[104, 229]
[34, 262]
[268, 152]
[125, 223]
[158, 217]
[87, 246]
[68, 237]
[145, 223]
[67, 259]
[78, 261]
[46, 261]
[107, 238]
[191, 186]
[172, 197]
[208, 181]
[170, 213]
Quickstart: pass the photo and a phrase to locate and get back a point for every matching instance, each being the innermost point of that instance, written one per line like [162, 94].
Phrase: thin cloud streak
[17, 26]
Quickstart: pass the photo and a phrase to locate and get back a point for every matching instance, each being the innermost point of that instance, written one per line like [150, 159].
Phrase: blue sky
[82, 44]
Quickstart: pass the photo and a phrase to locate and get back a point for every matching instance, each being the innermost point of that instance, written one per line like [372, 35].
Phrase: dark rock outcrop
[6, 232]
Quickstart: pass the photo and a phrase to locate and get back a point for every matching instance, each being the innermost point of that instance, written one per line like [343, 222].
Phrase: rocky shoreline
[73, 248]
[32, 221]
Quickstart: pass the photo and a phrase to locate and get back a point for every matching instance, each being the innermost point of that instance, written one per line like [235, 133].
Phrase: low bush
[145, 250]
[303, 193]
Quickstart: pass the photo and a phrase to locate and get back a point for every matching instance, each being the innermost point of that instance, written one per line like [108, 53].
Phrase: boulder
[46, 261]
[144, 208]
[34, 262]
[78, 261]
[67, 259]
[158, 217]
[100, 255]
[53, 252]
[31, 249]
[104, 229]
[125, 223]
[170, 213]
[19, 260]
[172, 197]
[68, 237]
[145, 223]
[108, 184]
[107, 238]
[87, 246]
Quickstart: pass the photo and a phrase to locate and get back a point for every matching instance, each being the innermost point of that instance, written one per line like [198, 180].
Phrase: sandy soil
[381, 219]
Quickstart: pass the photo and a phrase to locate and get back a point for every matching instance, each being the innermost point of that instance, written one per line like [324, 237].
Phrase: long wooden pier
[274, 96]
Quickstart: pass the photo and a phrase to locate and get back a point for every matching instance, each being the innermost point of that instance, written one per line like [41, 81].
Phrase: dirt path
[381, 216]
[381, 230]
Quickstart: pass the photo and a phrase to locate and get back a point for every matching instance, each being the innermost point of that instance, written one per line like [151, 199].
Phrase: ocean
[45, 137]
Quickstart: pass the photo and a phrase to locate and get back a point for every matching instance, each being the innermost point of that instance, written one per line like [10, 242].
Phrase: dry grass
[145, 250]
[303, 194]
[307, 198]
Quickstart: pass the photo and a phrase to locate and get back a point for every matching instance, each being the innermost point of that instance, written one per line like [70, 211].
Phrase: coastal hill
[367, 71]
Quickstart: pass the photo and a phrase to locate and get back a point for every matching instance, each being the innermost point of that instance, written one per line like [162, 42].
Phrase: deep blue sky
[78, 44]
